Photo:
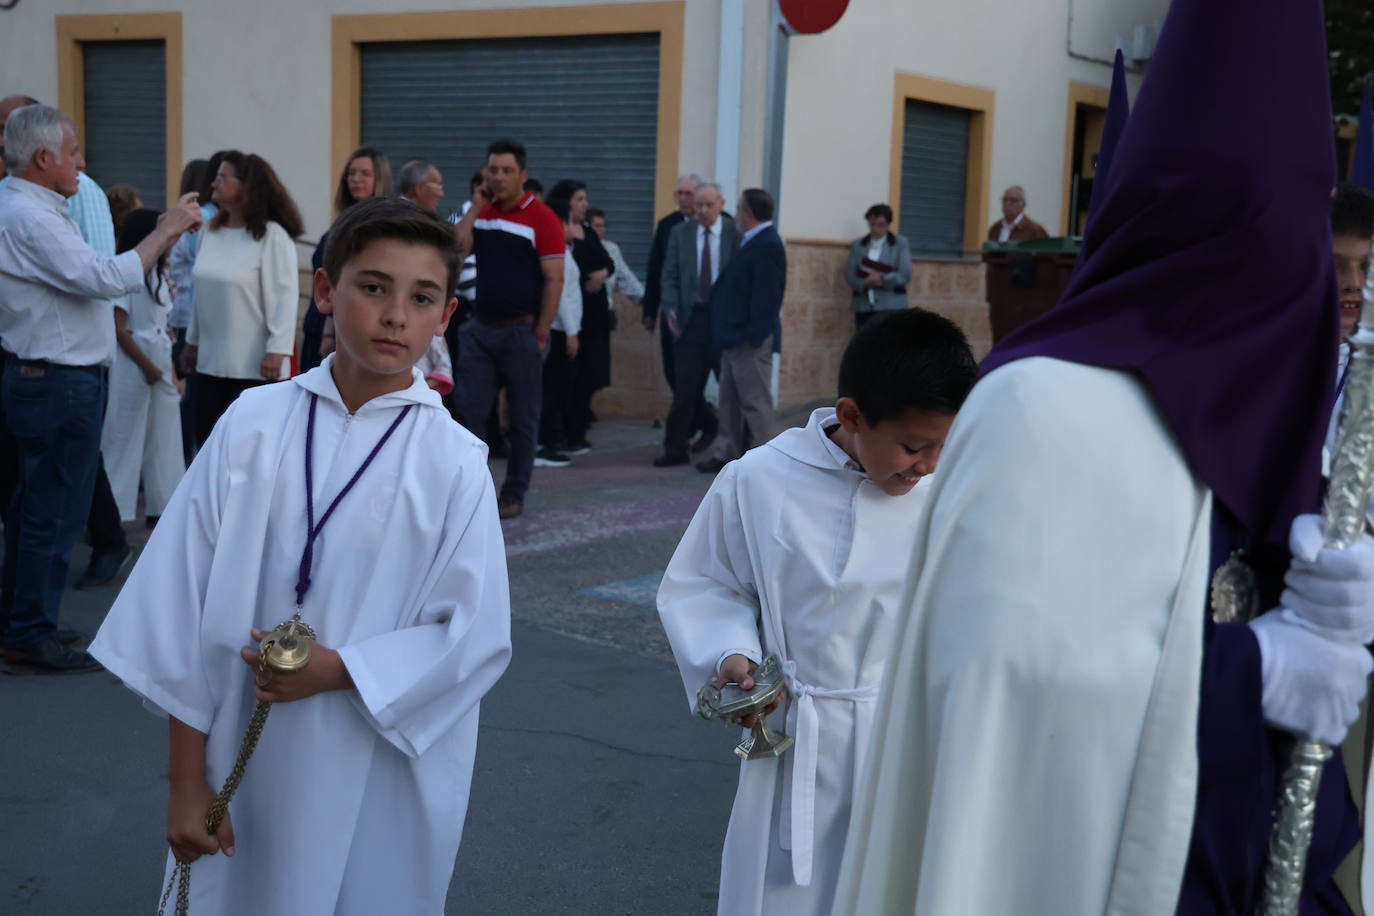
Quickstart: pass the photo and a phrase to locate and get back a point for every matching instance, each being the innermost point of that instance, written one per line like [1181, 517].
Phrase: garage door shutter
[934, 174]
[585, 107]
[125, 85]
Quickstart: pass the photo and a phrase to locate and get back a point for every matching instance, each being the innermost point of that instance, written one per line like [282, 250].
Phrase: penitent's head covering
[1209, 267]
[1362, 169]
[1118, 110]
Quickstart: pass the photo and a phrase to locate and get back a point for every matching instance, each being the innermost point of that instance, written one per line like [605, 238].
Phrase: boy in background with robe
[800, 551]
[354, 800]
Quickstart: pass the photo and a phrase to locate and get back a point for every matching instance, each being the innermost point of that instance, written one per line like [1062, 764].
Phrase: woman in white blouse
[141, 437]
[243, 324]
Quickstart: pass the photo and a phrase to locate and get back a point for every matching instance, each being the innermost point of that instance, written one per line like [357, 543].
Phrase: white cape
[795, 554]
[354, 801]
[1035, 749]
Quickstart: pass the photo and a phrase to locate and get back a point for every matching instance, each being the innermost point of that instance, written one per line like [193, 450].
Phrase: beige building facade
[932, 108]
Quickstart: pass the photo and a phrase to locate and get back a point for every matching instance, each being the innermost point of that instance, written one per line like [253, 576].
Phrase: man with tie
[697, 253]
[746, 306]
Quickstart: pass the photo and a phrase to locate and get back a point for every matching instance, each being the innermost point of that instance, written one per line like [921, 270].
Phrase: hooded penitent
[1118, 110]
[1207, 272]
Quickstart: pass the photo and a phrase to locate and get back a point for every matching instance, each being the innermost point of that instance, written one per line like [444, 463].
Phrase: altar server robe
[354, 801]
[793, 553]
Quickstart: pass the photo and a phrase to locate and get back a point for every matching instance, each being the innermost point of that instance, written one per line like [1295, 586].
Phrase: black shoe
[548, 458]
[105, 565]
[50, 655]
[670, 461]
[711, 465]
[704, 441]
[580, 447]
[68, 636]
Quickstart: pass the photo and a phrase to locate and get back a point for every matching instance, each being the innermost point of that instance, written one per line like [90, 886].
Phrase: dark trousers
[188, 400]
[102, 522]
[55, 415]
[557, 384]
[703, 415]
[694, 358]
[213, 397]
[511, 354]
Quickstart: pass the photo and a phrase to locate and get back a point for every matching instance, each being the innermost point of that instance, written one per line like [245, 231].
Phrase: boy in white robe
[799, 550]
[354, 800]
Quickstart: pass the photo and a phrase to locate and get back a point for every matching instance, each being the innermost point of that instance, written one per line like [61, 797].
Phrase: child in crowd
[141, 437]
[349, 494]
[800, 550]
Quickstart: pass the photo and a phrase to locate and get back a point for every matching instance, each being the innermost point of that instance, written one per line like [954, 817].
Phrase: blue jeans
[55, 415]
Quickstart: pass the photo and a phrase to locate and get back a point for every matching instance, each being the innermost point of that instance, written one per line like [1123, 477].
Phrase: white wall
[257, 77]
[840, 86]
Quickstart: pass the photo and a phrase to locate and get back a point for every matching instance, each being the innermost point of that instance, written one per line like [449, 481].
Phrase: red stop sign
[810, 17]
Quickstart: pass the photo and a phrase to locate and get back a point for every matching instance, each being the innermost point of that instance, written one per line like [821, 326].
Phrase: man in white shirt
[57, 330]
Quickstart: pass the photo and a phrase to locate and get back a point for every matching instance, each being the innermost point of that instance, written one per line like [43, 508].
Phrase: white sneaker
[548, 458]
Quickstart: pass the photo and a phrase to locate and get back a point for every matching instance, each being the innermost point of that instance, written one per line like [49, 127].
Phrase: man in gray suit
[697, 252]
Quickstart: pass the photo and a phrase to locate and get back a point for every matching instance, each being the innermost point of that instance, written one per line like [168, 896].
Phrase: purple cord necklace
[312, 530]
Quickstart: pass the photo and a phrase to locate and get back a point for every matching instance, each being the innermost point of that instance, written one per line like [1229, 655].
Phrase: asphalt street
[596, 792]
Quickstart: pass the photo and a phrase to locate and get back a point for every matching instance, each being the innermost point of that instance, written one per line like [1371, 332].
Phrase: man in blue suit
[746, 303]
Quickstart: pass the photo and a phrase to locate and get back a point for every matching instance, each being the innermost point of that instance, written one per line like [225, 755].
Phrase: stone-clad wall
[816, 325]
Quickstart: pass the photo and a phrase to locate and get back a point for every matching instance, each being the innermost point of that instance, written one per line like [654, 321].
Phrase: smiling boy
[800, 550]
[352, 496]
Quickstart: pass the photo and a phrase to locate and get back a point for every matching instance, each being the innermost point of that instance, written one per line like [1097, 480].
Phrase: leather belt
[509, 322]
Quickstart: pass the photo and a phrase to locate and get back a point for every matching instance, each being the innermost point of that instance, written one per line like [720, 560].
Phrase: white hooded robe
[354, 801]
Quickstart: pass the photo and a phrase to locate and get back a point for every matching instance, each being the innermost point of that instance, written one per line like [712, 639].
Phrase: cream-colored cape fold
[1035, 744]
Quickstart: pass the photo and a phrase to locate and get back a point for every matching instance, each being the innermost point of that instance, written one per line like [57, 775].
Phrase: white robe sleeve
[149, 637]
[415, 684]
[708, 602]
[281, 290]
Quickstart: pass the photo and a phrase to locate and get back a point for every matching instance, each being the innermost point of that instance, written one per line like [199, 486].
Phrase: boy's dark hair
[759, 202]
[882, 210]
[533, 184]
[561, 207]
[514, 147]
[389, 218]
[908, 360]
[1352, 211]
[594, 212]
[476, 181]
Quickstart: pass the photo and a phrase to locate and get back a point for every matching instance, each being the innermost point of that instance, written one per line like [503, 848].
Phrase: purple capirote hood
[1207, 268]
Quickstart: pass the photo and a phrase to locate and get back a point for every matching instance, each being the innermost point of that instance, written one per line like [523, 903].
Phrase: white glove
[1312, 685]
[1330, 591]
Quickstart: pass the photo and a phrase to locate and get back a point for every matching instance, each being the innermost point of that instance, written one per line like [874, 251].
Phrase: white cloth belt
[804, 725]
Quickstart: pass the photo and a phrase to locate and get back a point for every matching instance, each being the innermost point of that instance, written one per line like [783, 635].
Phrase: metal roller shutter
[585, 107]
[125, 84]
[934, 176]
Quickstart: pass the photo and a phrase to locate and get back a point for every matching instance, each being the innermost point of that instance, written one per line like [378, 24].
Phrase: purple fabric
[1206, 271]
[1362, 169]
[1118, 110]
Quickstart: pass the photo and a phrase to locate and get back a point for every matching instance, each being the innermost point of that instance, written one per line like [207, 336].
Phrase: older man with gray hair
[421, 183]
[1015, 225]
[697, 252]
[57, 332]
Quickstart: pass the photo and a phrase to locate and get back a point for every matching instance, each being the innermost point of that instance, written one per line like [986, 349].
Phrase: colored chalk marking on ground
[641, 591]
[536, 532]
